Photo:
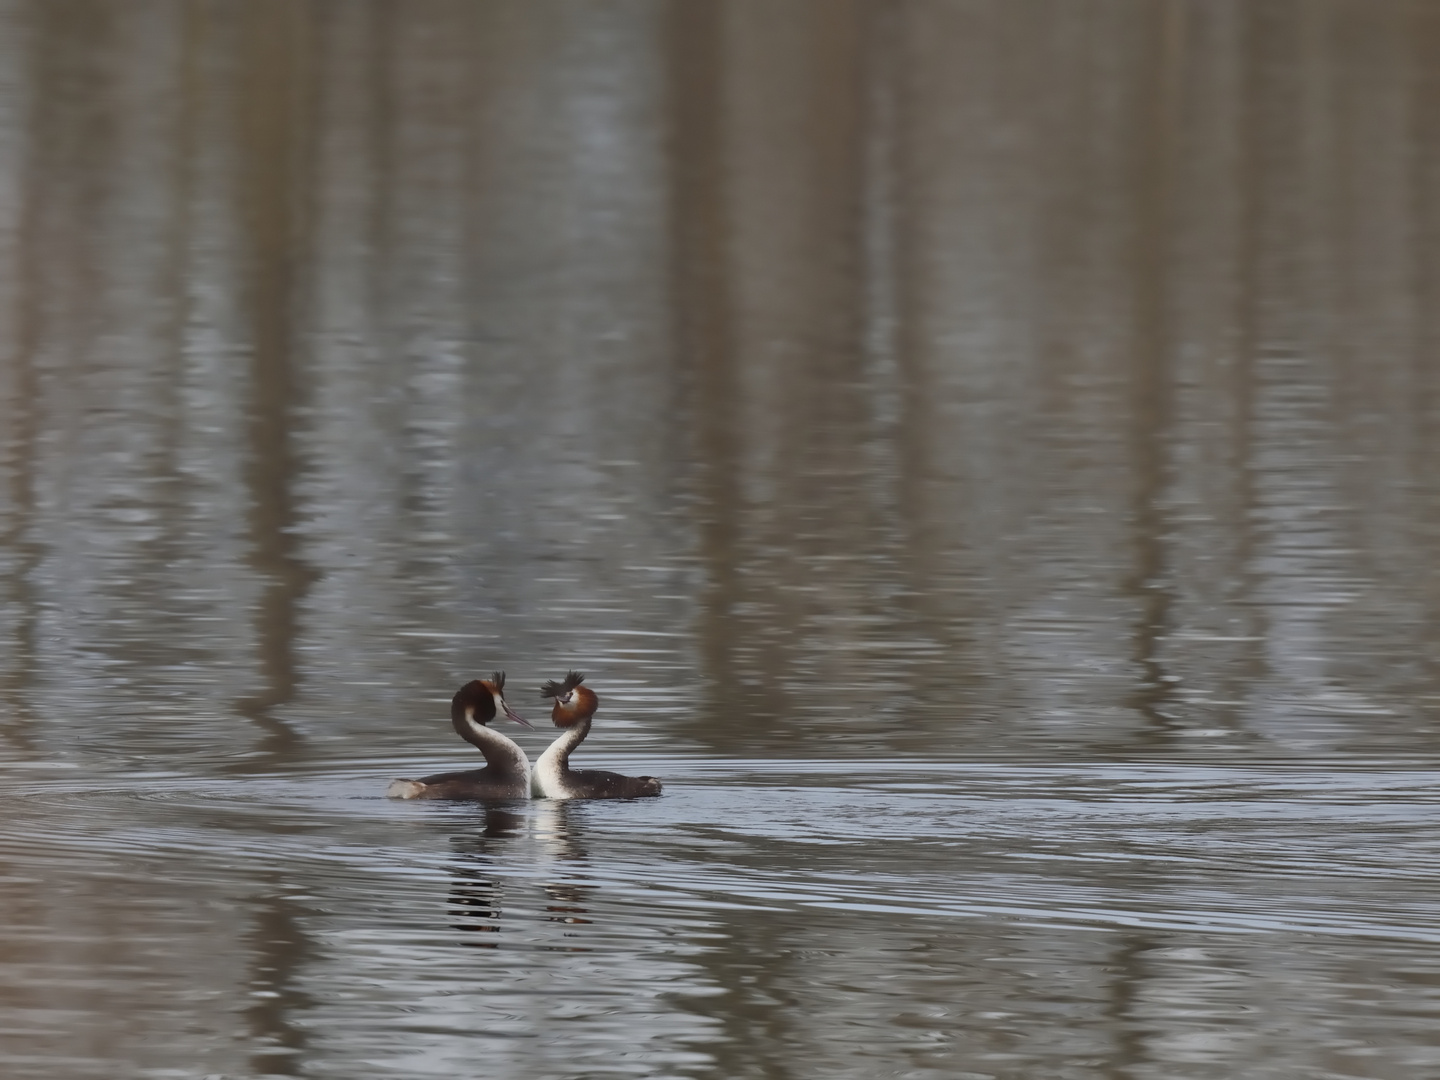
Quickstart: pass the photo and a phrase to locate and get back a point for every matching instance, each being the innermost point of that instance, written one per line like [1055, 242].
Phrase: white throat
[502, 754]
[552, 767]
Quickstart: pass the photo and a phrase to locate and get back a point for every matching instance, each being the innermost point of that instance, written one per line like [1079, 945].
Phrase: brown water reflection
[981, 451]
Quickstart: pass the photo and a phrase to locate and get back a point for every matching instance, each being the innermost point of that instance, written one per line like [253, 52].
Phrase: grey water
[982, 454]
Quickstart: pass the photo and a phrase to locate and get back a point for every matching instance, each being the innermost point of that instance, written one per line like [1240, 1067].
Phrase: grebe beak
[511, 714]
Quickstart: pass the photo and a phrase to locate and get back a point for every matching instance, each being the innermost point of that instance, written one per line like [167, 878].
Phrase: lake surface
[982, 453]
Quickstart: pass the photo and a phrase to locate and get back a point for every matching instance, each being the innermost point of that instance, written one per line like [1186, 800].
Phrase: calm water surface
[982, 454]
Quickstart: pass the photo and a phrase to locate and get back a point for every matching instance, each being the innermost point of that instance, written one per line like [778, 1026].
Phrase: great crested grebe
[553, 777]
[506, 774]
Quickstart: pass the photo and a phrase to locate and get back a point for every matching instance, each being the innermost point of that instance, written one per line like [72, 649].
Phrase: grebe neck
[554, 763]
[503, 755]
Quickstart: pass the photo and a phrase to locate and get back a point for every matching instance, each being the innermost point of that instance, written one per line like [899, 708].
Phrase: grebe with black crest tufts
[553, 777]
[506, 774]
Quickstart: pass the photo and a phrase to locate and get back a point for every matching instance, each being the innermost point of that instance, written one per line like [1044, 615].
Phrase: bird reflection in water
[568, 904]
[477, 897]
[476, 900]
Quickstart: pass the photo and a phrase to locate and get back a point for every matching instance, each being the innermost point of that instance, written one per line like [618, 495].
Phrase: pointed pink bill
[511, 714]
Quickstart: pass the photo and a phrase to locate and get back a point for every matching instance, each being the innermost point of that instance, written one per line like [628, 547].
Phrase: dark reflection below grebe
[476, 901]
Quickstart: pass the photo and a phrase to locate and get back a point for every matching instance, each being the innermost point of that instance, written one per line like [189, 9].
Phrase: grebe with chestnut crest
[553, 777]
[506, 774]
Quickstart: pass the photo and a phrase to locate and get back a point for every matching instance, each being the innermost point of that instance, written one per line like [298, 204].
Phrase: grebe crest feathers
[573, 702]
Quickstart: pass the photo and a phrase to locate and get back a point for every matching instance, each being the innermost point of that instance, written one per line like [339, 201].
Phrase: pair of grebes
[507, 773]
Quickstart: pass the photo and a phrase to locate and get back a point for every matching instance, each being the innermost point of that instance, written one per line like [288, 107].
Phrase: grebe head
[482, 700]
[573, 702]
